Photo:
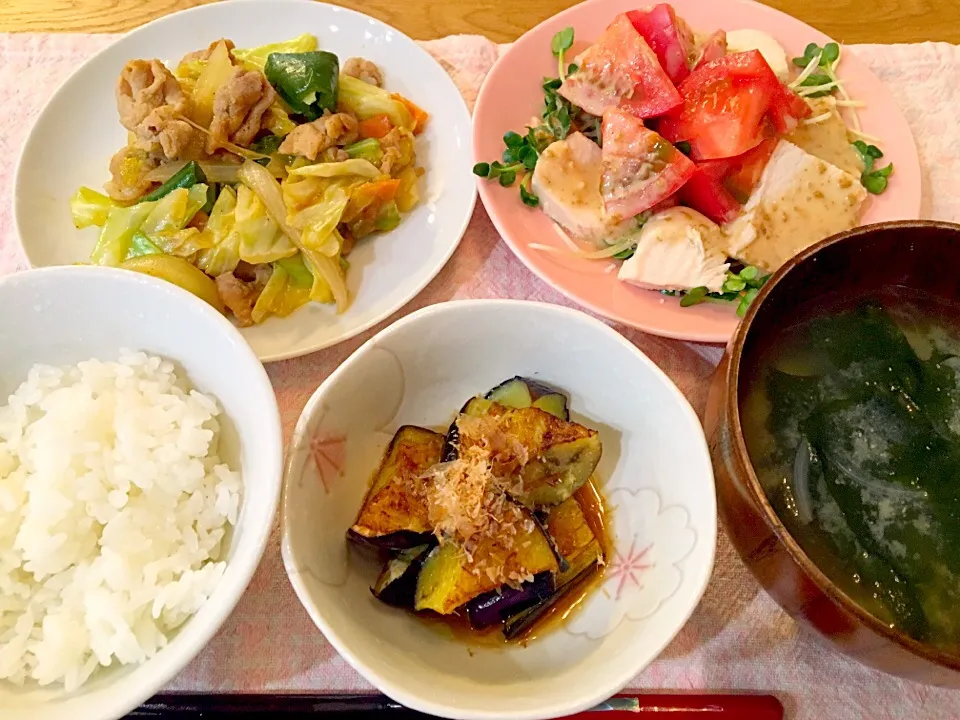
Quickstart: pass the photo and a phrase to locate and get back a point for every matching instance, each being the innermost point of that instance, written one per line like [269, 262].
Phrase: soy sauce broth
[594, 510]
[851, 418]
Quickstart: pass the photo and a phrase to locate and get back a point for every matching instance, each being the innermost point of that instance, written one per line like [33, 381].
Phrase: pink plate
[511, 96]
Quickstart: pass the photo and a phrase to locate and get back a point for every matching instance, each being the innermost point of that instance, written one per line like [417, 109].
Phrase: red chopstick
[656, 706]
[687, 707]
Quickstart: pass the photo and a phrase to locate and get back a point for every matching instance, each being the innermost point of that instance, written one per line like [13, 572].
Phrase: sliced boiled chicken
[799, 201]
[678, 249]
[567, 181]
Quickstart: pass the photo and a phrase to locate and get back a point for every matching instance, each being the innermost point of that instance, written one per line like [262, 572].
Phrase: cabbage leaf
[365, 101]
[256, 58]
[317, 222]
[280, 296]
[261, 239]
[224, 253]
[89, 207]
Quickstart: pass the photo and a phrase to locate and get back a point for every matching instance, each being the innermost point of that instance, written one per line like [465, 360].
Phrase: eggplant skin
[393, 514]
[397, 584]
[532, 389]
[447, 582]
[517, 625]
[517, 392]
[475, 406]
[391, 542]
[494, 607]
[570, 532]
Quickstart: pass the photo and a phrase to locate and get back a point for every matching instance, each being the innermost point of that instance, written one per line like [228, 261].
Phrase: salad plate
[385, 270]
[512, 99]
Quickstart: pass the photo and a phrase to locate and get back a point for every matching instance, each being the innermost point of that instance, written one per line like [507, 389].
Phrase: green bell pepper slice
[186, 177]
[308, 82]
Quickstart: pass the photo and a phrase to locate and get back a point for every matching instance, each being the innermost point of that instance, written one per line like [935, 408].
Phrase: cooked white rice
[113, 509]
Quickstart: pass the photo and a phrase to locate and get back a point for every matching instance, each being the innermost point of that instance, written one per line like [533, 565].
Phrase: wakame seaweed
[884, 478]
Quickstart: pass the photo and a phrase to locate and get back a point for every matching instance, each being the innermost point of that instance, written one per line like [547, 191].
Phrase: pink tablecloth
[738, 638]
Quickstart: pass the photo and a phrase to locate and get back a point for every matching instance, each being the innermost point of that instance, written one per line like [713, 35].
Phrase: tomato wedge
[621, 69]
[729, 105]
[640, 168]
[666, 203]
[713, 48]
[719, 187]
[705, 193]
[788, 109]
[719, 119]
[743, 173]
[668, 36]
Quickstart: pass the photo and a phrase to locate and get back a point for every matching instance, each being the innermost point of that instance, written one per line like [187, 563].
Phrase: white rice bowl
[114, 510]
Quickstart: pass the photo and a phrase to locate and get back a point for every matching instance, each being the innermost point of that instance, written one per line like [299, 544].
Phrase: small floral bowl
[655, 474]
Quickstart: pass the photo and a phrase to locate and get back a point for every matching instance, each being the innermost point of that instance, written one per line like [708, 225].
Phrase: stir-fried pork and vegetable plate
[249, 175]
[678, 154]
[301, 182]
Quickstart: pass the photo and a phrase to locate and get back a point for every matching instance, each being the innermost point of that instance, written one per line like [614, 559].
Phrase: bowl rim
[289, 353]
[731, 409]
[121, 698]
[590, 697]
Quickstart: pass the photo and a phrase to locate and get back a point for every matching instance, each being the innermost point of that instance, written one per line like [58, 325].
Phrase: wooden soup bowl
[922, 255]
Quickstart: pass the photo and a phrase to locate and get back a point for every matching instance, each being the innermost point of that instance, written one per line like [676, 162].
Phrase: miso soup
[852, 421]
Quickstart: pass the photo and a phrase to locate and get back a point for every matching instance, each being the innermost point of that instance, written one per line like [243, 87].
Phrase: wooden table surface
[851, 21]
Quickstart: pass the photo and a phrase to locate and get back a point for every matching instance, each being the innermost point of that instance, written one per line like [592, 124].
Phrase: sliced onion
[258, 178]
[165, 172]
[801, 483]
[221, 172]
[594, 255]
[329, 270]
[845, 96]
[818, 119]
[567, 240]
[218, 172]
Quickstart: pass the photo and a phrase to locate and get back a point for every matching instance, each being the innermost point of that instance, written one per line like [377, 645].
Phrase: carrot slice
[382, 190]
[375, 127]
[420, 116]
[369, 198]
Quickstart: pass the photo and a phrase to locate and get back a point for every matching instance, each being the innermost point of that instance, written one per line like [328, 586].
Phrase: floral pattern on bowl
[328, 451]
[643, 572]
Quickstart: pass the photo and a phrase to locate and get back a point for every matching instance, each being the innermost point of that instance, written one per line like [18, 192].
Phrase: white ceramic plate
[655, 472]
[78, 131]
[65, 315]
